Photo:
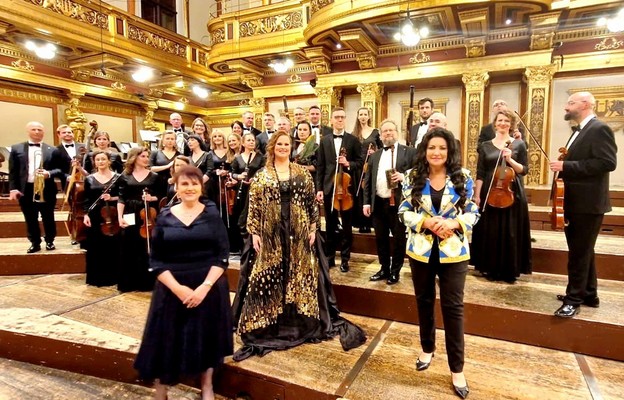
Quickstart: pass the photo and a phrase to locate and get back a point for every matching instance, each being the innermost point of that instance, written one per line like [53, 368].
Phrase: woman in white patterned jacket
[439, 215]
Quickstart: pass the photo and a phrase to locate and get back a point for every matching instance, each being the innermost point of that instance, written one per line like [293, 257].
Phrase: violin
[148, 216]
[557, 220]
[110, 223]
[501, 195]
[231, 195]
[343, 200]
[364, 168]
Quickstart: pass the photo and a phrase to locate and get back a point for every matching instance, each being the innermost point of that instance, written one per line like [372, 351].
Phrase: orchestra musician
[318, 129]
[234, 149]
[237, 127]
[328, 156]
[202, 129]
[137, 185]
[175, 119]
[31, 165]
[102, 142]
[248, 120]
[161, 161]
[219, 155]
[304, 152]
[101, 193]
[591, 156]
[378, 202]
[488, 132]
[418, 130]
[66, 152]
[501, 242]
[269, 128]
[178, 163]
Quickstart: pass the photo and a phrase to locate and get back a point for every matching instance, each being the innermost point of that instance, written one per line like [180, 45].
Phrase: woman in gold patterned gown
[289, 299]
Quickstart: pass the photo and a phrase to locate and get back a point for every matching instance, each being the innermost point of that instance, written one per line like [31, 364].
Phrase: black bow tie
[315, 126]
[575, 128]
[35, 144]
[270, 132]
[338, 136]
[388, 147]
[69, 145]
[177, 130]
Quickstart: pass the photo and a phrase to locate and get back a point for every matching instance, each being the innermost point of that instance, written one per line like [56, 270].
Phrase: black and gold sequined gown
[289, 299]
[103, 252]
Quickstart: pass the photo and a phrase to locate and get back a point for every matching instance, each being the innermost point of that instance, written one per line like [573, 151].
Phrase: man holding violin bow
[591, 155]
[382, 196]
[338, 155]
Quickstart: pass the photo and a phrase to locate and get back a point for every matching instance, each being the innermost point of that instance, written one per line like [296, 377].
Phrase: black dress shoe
[50, 246]
[461, 391]
[393, 278]
[331, 262]
[33, 249]
[567, 311]
[421, 366]
[344, 266]
[380, 275]
[595, 302]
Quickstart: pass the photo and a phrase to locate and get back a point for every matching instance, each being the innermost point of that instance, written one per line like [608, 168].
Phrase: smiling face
[199, 128]
[237, 129]
[502, 123]
[437, 152]
[234, 143]
[143, 160]
[315, 116]
[218, 139]
[388, 134]
[282, 148]
[66, 135]
[248, 118]
[188, 190]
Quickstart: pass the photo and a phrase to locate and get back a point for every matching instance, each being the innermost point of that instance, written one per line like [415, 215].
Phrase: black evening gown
[134, 274]
[103, 252]
[293, 329]
[116, 162]
[158, 159]
[180, 342]
[213, 191]
[360, 220]
[501, 240]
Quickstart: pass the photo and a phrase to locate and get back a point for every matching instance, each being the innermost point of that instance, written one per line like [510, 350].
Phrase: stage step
[96, 331]
[67, 258]
[26, 381]
[613, 223]
[539, 195]
[13, 225]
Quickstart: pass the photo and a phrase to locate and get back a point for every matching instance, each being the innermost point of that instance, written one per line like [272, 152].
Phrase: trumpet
[39, 183]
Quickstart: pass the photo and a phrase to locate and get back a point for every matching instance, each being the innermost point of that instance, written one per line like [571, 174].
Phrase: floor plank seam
[589, 377]
[60, 313]
[359, 365]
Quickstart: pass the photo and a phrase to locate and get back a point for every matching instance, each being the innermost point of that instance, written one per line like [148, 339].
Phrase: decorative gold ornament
[316, 5]
[475, 47]
[76, 119]
[370, 91]
[156, 41]
[294, 78]
[118, 86]
[252, 80]
[23, 65]
[158, 93]
[419, 58]
[543, 41]
[475, 81]
[321, 66]
[328, 95]
[217, 36]
[366, 60]
[275, 23]
[609, 44]
[256, 102]
[81, 74]
[148, 121]
[540, 75]
[76, 11]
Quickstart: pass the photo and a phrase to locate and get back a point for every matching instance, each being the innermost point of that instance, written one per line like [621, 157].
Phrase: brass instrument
[39, 183]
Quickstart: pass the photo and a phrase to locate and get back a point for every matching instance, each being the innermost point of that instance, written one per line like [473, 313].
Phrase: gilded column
[75, 118]
[371, 98]
[538, 80]
[474, 84]
[328, 99]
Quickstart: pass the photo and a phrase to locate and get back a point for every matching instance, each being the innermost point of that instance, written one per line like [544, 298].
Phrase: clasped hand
[442, 227]
[192, 298]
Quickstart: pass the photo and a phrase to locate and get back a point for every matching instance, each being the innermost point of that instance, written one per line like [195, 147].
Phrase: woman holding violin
[170, 199]
[162, 160]
[102, 142]
[371, 141]
[100, 206]
[139, 192]
[217, 189]
[501, 244]
[202, 129]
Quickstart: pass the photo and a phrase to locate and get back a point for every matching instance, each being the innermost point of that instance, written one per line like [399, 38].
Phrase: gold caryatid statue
[76, 119]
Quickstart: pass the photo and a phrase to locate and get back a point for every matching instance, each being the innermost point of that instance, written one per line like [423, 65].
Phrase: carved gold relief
[252, 80]
[256, 102]
[23, 65]
[316, 5]
[76, 119]
[156, 41]
[370, 91]
[294, 78]
[155, 93]
[366, 60]
[540, 75]
[328, 95]
[118, 86]
[537, 122]
[475, 48]
[321, 66]
[148, 121]
[475, 81]
[271, 24]
[609, 44]
[81, 75]
[30, 96]
[217, 36]
[542, 41]
[76, 11]
[419, 58]
[473, 127]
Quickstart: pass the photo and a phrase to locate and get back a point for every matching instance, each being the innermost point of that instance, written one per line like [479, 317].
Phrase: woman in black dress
[136, 184]
[202, 129]
[103, 250]
[369, 137]
[234, 141]
[218, 178]
[304, 152]
[189, 325]
[200, 158]
[501, 242]
[102, 142]
[162, 160]
[179, 162]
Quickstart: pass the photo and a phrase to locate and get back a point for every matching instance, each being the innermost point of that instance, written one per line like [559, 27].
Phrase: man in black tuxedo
[182, 134]
[383, 202]
[66, 152]
[300, 116]
[328, 156]
[248, 120]
[487, 131]
[318, 130]
[26, 161]
[417, 131]
[269, 128]
[592, 154]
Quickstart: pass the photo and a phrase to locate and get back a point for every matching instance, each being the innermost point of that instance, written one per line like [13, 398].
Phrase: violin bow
[410, 118]
[146, 208]
[357, 192]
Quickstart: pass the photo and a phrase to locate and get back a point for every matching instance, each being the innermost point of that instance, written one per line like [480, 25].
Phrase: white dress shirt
[386, 162]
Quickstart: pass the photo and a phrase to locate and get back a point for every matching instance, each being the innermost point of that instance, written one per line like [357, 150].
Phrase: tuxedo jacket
[18, 169]
[261, 141]
[326, 162]
[586, 167]
[414, 132]
[62, 160]
[253, 130]
[405, 159]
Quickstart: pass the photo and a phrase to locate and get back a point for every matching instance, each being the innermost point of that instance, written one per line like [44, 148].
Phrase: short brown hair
[190, 172]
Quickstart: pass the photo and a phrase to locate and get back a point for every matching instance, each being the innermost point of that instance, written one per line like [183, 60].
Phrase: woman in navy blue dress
[189, 326]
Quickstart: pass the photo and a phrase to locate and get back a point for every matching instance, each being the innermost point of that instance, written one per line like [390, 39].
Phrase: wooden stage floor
[40, 314]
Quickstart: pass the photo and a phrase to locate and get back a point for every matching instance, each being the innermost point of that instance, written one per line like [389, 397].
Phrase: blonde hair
[212, 135]
[231, 154]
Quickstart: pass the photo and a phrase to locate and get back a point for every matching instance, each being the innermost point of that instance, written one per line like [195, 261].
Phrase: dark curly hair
[420, 172]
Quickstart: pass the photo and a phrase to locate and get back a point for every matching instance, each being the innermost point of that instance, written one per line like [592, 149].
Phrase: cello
[342, 199]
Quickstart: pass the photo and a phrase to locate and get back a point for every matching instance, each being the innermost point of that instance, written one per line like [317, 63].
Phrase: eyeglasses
[339, 116]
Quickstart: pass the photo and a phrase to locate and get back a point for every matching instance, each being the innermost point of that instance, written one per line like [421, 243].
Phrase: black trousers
[331, 223]
[581, 234]
[386, 220]
[31, 211]
[452, 278]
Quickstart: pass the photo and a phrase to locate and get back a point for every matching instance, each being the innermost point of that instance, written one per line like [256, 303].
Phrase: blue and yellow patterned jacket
[420, 240]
